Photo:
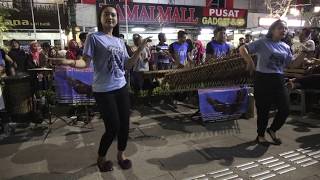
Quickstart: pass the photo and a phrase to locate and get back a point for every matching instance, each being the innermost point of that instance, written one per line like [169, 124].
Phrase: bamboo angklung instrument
[229, 71]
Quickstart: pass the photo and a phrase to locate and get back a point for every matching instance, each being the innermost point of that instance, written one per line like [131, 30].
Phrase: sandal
[263, 143]
[277, 141]
[125, 164]
[105, 166]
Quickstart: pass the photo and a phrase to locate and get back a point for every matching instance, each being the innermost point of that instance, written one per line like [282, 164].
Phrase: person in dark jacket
[18, 56]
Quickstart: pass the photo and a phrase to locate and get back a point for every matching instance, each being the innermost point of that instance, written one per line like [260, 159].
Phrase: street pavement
[165, 144]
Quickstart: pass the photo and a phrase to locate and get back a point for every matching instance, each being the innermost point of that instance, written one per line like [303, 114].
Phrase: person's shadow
[310, 141]
[72, 159]
[225, 155]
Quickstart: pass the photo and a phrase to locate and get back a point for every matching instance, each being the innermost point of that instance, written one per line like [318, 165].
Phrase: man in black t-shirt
[163, 55]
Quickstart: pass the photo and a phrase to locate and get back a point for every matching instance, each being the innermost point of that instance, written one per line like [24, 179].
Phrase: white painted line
[286, 153]
[246, 164]
[314, 153]
[259, 174]
[287, 170]
[276, 164]
[291, 155]
[266, 177]
[301, 149]
[306, 151]
[195, 177]
[317, 156]
[249, 167]
[218, 171]
[230, 177]
[223, 174]
[303, 160]
[297, 158]
[309, 163]
[271, 161]
[238, 179]
[281, 167]
[204, 178]
[261, 160]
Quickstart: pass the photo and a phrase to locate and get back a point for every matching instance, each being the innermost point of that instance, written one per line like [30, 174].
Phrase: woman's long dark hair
[273, 26]
[116, 29]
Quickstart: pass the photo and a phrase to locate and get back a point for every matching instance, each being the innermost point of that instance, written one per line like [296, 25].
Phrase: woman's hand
[250, 67]
[62, 61]
[144, 43]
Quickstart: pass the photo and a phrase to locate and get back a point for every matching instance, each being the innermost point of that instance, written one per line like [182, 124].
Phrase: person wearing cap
[181, 50]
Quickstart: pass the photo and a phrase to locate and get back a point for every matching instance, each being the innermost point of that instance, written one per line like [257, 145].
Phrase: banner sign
[174, 15]
[73, 86]
[156, 14]
[223, 103]
[45, 16]
[107, 1]
[225, 17]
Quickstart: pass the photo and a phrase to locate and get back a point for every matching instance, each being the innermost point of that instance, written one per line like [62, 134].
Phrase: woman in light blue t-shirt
[110, 59]
[269, 85]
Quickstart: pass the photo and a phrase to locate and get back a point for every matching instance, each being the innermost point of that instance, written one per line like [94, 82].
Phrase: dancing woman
[110, 58]
[269, 84]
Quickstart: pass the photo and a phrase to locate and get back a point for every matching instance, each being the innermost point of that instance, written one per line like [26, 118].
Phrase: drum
[18, 94]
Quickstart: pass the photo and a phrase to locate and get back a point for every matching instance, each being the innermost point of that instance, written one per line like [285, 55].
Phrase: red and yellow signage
[172, 15]
[225, 17]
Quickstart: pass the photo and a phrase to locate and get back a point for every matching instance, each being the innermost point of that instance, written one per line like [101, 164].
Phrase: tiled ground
[164, 144]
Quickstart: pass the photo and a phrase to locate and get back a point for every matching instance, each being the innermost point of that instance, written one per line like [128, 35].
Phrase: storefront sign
[45, 16]
[169, 15]
[225, 17]
[151, 14]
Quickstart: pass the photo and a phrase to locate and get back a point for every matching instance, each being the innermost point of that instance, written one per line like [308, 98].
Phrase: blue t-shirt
[217, 49]
[182, 51]
[273, 56]
[109, 55]
[1, 60]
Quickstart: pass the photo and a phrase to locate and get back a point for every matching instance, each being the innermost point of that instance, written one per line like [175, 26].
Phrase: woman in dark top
[269, 85]
[110, 59]
[18, 56]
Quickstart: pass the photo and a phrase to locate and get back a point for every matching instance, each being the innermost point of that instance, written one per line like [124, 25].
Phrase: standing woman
[269, 84]
[110, 58]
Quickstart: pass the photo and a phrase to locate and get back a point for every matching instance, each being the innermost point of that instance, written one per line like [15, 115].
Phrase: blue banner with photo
[220, 104]
[74, 86]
